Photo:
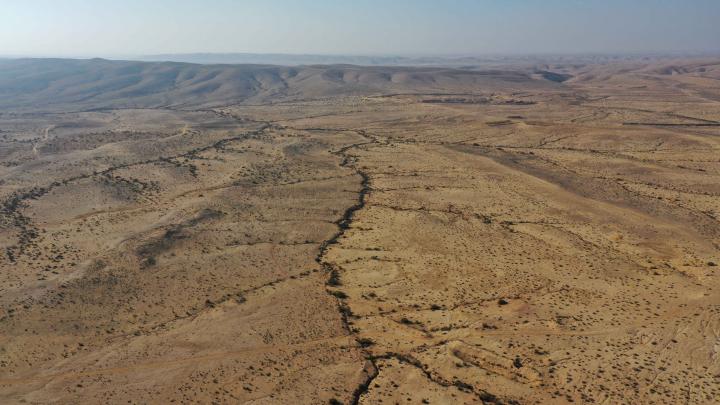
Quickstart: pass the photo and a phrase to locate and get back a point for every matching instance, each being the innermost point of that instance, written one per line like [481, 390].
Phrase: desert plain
[522, 233]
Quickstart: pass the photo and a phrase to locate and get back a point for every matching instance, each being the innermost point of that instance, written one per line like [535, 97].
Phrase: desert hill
[98, 83]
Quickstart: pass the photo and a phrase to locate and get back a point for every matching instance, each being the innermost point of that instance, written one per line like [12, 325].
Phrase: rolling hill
[99, 83]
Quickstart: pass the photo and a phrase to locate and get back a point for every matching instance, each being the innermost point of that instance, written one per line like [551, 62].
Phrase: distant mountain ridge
[466, 61]
[286, 59]
[99, 83]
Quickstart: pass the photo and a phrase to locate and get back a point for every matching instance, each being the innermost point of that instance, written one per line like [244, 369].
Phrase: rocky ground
[528, 243]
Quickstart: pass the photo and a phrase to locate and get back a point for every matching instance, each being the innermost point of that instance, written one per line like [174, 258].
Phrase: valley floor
[546, 246]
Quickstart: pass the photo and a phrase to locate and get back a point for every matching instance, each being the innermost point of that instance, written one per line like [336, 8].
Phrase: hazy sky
[136, 27]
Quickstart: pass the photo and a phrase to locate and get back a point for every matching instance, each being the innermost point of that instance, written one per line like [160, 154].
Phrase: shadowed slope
[99, 83]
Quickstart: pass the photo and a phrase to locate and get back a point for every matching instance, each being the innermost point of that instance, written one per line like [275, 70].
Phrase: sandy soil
[528, 244]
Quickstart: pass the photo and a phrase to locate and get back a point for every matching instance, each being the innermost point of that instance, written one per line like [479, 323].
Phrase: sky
[107, 28]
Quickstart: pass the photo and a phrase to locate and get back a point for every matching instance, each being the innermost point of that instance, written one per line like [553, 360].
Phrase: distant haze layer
[364, 27]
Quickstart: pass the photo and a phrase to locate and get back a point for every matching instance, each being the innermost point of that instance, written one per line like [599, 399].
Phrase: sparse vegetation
[378, 234]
